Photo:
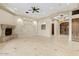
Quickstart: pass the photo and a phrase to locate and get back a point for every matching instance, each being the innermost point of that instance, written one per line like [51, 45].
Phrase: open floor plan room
[39, 29]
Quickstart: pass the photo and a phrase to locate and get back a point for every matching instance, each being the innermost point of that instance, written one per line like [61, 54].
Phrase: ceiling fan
[34, 9]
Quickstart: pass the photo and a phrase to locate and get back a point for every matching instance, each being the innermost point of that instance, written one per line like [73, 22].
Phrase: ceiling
[46, 9]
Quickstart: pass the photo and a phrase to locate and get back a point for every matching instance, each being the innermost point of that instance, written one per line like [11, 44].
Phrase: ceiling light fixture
[62, 18]
[43, 23]
[20, 20]
[33, 10]
[35, 22]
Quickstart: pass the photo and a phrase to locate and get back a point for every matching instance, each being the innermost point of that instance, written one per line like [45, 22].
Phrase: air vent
[75, 12]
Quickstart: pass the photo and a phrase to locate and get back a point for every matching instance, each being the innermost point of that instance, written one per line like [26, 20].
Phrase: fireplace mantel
[3, 37]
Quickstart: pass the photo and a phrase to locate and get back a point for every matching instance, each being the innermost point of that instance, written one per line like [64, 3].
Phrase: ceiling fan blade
[33, 11]
[27, 12]
[37, 9]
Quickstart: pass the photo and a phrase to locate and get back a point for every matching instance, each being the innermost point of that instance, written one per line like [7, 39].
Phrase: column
[70, 27]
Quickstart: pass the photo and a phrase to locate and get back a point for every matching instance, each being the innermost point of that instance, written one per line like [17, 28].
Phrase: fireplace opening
[8, 31]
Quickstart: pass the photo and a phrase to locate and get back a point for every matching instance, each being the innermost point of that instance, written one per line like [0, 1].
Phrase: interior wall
[57, 28]
[26, 28]
[48, 31]
[45, 32]
[0, 31]
[7, 18]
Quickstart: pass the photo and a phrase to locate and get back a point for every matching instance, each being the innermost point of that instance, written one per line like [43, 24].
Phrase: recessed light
[35, 22]
[44, 23]
[20, 20]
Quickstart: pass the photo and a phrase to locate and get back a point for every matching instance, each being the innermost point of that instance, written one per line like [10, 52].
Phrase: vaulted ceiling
[45, 9]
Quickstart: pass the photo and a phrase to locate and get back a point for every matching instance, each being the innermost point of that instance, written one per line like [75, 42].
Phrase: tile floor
[39, 46]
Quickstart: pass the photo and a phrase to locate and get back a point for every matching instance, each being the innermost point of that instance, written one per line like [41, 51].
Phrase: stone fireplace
[7, 32]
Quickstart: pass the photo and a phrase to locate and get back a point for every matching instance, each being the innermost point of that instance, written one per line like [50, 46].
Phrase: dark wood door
[52, 29]
[75, 29]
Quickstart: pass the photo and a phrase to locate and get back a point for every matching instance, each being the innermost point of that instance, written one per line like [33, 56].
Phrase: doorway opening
[64, 28]
[52, 29]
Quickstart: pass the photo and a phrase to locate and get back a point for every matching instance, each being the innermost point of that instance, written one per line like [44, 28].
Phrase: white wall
[27, 28]
[7, 18]
[48, 31]
[48, 27]
[0, 31]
